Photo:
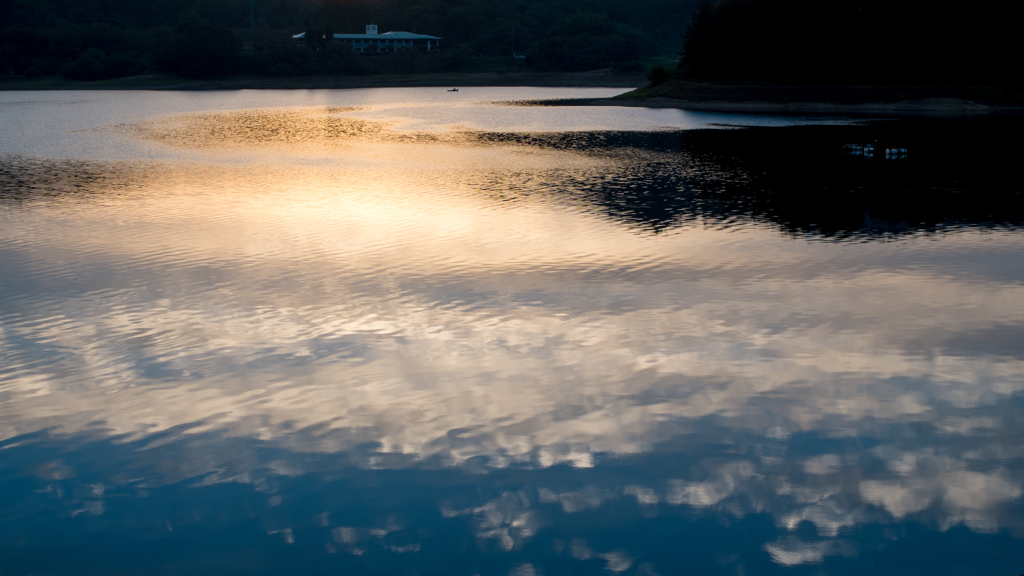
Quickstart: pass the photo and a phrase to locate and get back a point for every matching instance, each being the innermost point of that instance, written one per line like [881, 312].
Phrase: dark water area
[799, 178]
[420, 337]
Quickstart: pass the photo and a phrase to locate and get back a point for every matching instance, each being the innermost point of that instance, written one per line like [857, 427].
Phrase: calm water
[405, 332]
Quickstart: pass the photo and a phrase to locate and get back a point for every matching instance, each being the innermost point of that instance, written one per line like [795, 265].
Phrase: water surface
[406, 331]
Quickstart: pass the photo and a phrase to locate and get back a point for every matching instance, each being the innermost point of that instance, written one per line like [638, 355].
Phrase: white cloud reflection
[317, 313]
[793, 552]
[508, 519]
[708, 493]
[975, 499]
[589, 497]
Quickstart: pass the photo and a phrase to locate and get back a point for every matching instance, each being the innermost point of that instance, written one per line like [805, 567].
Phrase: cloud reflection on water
[407, 319]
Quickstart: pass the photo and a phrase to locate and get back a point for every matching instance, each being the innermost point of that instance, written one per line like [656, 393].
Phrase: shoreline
[685, 95]
[825, 100]
[874, 100]
[592, 79]
[924, 106]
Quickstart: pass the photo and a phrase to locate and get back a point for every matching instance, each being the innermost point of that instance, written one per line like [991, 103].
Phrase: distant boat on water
[453, 89]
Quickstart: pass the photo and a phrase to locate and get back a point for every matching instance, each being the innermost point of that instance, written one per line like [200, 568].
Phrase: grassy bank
[839, 99]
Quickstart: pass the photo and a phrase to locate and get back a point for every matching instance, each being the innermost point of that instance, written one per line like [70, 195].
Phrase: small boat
[453, 89]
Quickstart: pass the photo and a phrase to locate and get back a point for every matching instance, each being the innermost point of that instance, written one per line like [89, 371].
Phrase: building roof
[385, 35]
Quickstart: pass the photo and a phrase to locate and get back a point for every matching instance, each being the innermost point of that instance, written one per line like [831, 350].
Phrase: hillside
[102, 39]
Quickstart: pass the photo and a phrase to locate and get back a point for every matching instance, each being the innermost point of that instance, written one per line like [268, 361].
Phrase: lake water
[408, 331]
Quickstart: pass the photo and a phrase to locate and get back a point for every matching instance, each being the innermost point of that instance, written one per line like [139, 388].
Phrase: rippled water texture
[408, 331]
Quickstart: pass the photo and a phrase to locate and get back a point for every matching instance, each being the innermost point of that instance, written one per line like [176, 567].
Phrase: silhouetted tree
[203, 51]
[348, 16]
[852, 41]
[586, 41]
[657, 74]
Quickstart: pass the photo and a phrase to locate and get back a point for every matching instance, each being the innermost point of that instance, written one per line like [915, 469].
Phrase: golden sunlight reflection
[403, 305]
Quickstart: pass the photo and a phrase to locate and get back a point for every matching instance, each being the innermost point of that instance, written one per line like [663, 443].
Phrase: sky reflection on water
[499, 352]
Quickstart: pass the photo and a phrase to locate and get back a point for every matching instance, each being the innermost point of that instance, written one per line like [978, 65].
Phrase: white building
[386, 43]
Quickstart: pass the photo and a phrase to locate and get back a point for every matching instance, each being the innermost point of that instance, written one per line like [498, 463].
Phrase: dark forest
[97, 39]
[854, 42]
[772, 41]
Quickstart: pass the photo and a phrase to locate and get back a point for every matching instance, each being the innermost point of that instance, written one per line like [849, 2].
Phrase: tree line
[96, 39]
[854, 42]
[772, 41]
